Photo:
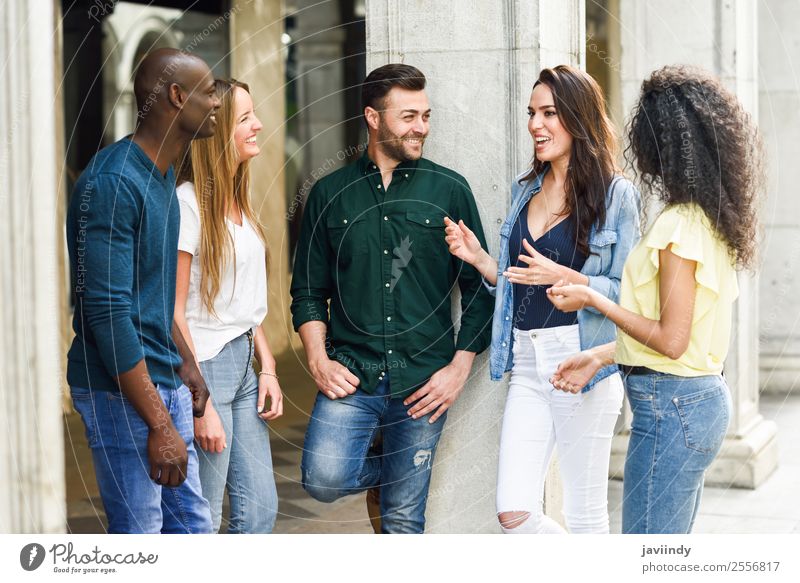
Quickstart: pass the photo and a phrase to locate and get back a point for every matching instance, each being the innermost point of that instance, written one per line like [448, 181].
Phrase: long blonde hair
[220, 181]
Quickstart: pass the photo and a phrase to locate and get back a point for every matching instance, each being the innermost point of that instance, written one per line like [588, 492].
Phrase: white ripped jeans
[539, 417]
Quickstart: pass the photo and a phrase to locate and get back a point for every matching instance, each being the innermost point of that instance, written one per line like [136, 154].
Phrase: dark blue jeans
[337, 460]
[117, 437]
[679, 424]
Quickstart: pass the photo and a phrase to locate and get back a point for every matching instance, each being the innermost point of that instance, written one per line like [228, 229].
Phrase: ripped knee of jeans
[422, 459]
[511, 520]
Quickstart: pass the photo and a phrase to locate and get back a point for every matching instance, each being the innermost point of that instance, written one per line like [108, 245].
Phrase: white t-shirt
[238, 310]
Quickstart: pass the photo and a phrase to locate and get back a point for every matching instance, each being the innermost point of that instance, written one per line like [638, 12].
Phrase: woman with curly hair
[573, 216]
[699, 152]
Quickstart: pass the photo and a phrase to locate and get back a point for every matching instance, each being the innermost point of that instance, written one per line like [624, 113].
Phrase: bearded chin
[392, 146]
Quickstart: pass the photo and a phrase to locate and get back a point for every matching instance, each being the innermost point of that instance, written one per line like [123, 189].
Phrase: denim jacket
[609, 248]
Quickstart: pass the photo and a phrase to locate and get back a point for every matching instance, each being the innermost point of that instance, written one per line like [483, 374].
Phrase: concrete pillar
[257, 59]
[779, 118]
[721, 36]
[32, 456]
[481, 65]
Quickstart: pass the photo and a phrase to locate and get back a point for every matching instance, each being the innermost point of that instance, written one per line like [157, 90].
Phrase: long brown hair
[220, 181]
[581, 109]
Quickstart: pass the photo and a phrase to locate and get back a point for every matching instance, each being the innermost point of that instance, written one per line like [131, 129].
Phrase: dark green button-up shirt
[379, 257]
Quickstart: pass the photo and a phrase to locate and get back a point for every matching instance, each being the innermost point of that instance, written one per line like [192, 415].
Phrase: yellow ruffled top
[688, 230]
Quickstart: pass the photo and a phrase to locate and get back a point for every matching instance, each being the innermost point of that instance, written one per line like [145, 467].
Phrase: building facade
[68, 93]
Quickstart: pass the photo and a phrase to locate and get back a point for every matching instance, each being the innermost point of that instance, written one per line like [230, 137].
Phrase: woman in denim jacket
[573, 218]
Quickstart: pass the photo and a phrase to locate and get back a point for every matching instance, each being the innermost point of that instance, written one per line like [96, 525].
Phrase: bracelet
[269, 374]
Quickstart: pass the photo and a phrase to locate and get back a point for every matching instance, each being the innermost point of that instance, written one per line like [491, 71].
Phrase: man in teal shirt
[371, 301]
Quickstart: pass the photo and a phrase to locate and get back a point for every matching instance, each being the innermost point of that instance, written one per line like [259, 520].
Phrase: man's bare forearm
[181, 344]
[313, 335]
[138, 388]
[464, 358]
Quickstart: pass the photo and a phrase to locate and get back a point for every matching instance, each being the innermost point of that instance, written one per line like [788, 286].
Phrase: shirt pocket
[601, 246]
[348, 237]
[426, 233]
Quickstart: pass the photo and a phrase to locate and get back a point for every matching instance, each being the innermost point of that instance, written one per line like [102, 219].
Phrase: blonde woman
[221, 301]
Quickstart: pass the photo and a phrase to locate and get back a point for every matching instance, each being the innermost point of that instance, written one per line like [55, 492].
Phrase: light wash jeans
[337, 459]
[245, 465]
[117, 436]
[678, 427]
[539, 418]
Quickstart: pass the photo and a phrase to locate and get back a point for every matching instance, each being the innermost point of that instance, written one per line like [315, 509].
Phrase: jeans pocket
[704, 417]
[84, 404]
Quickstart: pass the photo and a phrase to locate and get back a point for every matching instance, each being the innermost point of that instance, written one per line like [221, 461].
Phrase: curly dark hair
[690, 140]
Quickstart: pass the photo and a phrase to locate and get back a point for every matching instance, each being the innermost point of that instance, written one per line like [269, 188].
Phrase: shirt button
[385, 218]
[406, 175]
[388, 318]
[387, 285]
[389, 351]
[385, 251]
[427, 221]
[345, 221]
[504, 344]
[508, 318]
[675, 400]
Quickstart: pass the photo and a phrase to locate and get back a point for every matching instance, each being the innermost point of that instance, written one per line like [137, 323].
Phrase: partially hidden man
[384, 354]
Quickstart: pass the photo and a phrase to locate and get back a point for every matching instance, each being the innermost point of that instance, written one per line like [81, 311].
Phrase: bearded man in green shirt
[371, 301]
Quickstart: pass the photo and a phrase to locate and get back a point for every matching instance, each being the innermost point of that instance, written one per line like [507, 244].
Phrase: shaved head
[158, 71]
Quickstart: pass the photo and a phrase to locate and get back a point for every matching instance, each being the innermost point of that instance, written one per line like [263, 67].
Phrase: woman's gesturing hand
[462, 242]
[574, 373]
[572, 297]
[539, 269]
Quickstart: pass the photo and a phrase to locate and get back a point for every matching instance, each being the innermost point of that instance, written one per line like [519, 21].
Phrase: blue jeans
[245, 465]
[117, 436]
[678, 427]
[337, 460]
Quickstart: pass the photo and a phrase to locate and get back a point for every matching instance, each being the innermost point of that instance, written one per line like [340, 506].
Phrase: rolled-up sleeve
[109, 226]
[311, 276]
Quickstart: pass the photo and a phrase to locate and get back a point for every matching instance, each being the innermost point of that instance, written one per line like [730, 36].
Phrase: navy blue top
[532, 309]
[122, 236]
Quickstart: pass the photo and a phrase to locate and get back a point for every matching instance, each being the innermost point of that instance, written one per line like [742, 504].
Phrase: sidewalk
[771, 508]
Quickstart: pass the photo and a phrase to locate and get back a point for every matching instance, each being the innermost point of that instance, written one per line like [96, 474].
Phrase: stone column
[779, 118]
[721, 36]
[481, 60]
[32, 456]
[257, 59]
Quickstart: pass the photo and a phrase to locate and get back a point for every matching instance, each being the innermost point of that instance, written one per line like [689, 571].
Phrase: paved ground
[772, 508]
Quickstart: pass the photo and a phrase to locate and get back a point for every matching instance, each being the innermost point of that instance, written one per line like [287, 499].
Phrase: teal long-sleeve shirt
[374, 266]
[122, 236]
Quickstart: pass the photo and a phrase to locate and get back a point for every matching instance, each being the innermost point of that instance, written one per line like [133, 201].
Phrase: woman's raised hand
[461, 241]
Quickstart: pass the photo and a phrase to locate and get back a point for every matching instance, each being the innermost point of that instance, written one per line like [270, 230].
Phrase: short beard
[392, 145]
